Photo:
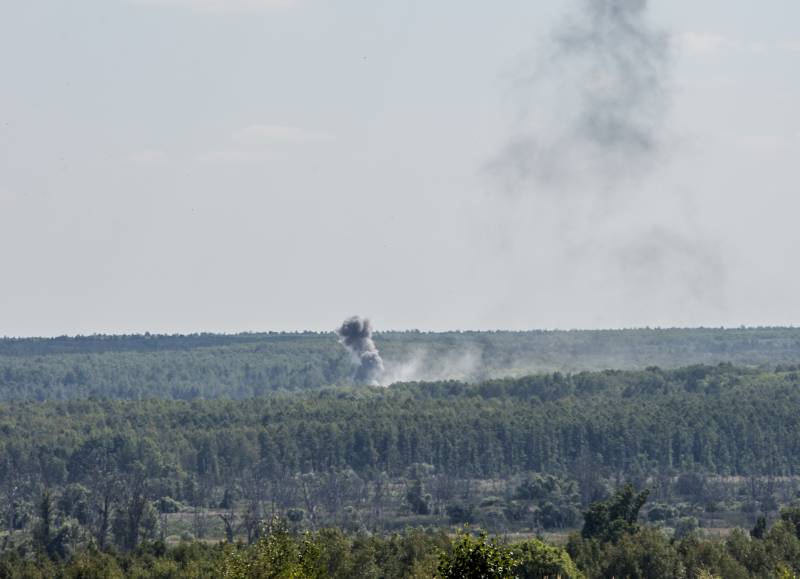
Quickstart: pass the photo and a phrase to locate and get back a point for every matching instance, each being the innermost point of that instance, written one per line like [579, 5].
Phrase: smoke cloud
[427, 365]
[590, 129]
[355, 334]
[597, 100]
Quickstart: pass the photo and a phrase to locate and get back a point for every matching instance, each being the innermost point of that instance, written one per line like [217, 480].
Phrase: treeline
[251, 365]
[720, 419]
[361, 457]
[280, 551]
[237, 371]
[613, 542]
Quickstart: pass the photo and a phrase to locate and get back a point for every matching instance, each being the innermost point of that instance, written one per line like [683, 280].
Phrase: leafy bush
[478, 558]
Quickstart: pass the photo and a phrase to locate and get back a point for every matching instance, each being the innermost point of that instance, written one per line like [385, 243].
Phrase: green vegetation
[247, 365]
[149, 456]
[712, 442]
[475, 558]
[637, 552]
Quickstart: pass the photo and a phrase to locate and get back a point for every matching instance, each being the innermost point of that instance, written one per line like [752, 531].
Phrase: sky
[180, 166]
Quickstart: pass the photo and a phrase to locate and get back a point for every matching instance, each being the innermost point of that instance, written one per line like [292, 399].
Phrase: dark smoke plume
[592, 125]
[596, 102]
[355, 334]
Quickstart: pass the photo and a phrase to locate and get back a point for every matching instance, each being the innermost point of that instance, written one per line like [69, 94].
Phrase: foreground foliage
[639, 552]
[476, 558]
[284, 554]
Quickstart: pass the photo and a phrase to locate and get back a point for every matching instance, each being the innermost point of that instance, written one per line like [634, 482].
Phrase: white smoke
[424, 365]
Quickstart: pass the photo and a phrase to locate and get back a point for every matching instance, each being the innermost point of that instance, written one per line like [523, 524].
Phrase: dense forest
[173, 456]
[721, 419]
[246, 365]
[612, 542]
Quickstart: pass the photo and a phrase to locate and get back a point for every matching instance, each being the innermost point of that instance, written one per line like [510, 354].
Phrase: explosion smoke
[355, 334]
[591, 127]
[599, 97]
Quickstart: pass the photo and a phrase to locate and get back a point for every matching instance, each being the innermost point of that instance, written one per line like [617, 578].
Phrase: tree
[791, 515]
[609, 520]
[416, 498]
[477, 558]
[760, 530]
[537, 560]
[276, 555]
[646, 554]
[47, 539]
[685, 527]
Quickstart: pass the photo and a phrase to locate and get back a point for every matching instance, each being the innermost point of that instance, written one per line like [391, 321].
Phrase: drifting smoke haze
[425, 365]
[603, 77]
[591, 131]
[625, 63]
[421, 364]
[355, 334]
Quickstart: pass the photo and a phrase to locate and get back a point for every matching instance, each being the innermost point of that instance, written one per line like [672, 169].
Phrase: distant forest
[139, 452]
[251, 365]
[326, 451]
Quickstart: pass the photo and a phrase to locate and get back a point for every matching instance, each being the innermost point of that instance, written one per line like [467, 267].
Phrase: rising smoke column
[591, 128]
[355, 334]
[596, 102]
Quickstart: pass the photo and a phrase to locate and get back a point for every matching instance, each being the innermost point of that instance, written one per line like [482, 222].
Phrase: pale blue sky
[200, 165]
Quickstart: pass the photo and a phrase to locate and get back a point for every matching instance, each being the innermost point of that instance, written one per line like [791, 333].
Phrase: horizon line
[233, 334]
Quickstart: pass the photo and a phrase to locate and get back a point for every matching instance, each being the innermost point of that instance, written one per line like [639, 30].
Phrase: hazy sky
[230, 165]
